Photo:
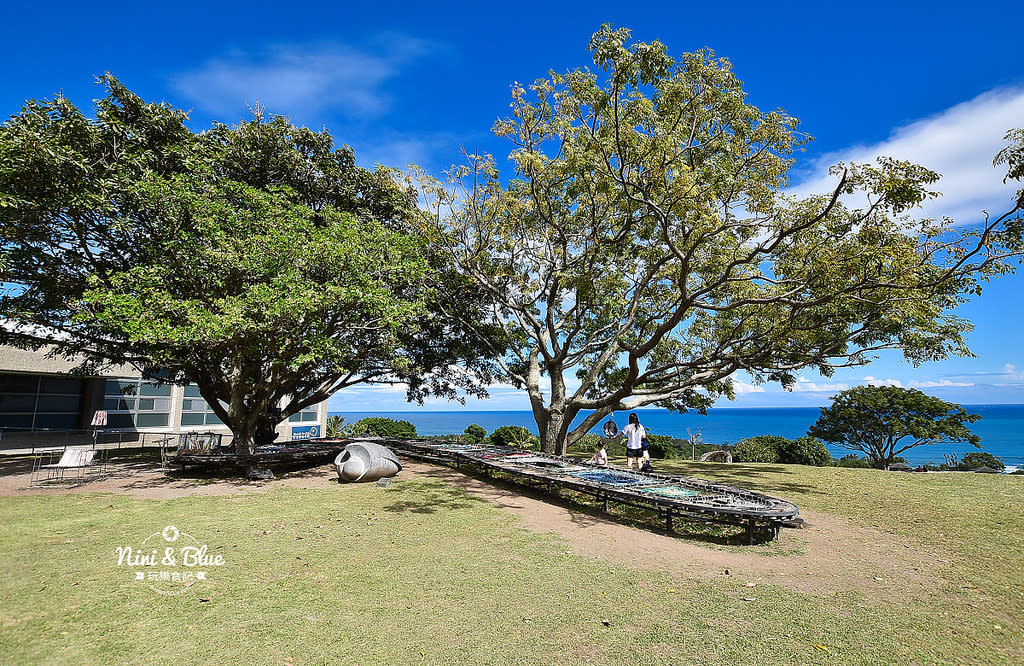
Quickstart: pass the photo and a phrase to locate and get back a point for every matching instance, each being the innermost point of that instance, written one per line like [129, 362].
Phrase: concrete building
[38, 395]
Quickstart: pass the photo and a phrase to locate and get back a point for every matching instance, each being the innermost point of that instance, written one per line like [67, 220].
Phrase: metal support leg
[750, 531]
[668, 520]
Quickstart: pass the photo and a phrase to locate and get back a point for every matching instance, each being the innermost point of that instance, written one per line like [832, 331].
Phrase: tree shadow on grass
[432, 498]
[586, 511]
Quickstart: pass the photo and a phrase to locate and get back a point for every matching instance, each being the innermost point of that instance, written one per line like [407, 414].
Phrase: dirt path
[826, 557]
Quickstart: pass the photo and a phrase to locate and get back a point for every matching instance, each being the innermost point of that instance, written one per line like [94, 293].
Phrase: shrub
[763, 448]
[661, 446]
[336, 427]
[977, 459]
[516, 436]
[475, 434]
[803, 451]
[382, 427]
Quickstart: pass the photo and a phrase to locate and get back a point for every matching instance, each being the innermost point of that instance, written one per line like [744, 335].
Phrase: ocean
[1001, 427]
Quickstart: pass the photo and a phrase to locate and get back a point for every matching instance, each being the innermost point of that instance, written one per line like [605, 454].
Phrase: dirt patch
[828, 556]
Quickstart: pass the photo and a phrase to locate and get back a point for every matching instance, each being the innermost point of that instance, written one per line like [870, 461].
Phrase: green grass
[421, 573]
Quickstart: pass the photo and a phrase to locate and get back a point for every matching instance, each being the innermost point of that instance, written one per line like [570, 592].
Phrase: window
[195, 411]
[135, 403]
[34, 401]
[307, 414]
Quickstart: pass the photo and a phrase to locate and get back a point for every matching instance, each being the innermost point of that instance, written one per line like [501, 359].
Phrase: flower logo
[170, 533]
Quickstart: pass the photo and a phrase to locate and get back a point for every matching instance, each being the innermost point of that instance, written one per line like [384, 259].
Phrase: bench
[78, 461]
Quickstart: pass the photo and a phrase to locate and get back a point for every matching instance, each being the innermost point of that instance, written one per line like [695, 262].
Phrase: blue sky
[937, 83]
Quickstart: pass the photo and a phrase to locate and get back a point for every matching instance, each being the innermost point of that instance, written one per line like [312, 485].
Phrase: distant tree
[854, 461]
[516, 436]
[976, 459]
[383, 427]
[335, 426]
[884, 421]
[762, 448]
[258, 261]
[804, 451]
[475, 434]
[646, 248]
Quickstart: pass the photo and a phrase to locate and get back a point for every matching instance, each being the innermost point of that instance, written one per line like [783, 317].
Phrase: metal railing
[33, 440]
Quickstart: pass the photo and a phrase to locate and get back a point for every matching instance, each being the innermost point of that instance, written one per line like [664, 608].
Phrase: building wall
[38, 392]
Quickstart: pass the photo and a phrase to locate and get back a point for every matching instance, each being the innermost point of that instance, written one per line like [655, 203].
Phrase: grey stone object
[366, 461]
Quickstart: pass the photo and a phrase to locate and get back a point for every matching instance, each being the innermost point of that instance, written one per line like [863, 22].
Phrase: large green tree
[645, 250]
[885, 421]
[257, 261]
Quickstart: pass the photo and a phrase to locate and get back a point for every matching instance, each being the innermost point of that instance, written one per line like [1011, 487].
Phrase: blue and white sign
[306, 432]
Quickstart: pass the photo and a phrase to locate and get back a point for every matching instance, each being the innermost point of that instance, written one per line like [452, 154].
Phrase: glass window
[61, 421]
[16, 420]
[18, 383]
[192, 391]
[151, 420]
[122, 387]
[309, 416]
[117, 404]
[191, 419]
[213, 419]
[146, 404]
[186, 405]
[60, 385]
[57, 403]
[153, 389]
[120, 421]
[17, 403]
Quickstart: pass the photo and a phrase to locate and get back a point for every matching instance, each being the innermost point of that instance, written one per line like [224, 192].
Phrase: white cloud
[871, 381]
[744, 387]
[1011, 373]
[804, 384]
[958, 143]
[936, 384]
[301, 79]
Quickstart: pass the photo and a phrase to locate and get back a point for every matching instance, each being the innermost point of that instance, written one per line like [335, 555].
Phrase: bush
[763, 448]
[516, 436]
[804, 451]
[977, 459]
[661, 446]
[376, 426]
[475, 434]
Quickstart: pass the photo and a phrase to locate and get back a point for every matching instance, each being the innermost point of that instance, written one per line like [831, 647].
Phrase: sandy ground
[827, 556]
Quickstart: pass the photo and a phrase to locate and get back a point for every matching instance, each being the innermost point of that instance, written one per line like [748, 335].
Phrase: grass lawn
[422, 573]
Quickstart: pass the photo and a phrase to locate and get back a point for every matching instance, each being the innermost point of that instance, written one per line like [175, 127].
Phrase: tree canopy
[257, 261]
[885, 421]
[645, 250]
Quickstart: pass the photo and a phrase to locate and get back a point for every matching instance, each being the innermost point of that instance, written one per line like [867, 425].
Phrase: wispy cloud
[804, 384]
[958, 143]
[302, 79]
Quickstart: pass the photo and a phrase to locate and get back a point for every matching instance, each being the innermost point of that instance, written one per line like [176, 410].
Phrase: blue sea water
[1001, 427]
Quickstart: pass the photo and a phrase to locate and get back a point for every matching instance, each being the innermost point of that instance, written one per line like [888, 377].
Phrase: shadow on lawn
[585, 511]
[432, 498]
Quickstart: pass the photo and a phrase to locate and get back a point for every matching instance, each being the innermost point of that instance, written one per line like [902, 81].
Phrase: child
[601, 457]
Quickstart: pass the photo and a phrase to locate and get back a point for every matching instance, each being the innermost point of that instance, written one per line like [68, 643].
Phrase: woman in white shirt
[636, 444]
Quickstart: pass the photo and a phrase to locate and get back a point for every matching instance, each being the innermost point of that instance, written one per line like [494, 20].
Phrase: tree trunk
[552, 433]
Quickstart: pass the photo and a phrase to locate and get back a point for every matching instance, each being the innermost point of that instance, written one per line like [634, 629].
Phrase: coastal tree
[645, 249]
[885, 421]
[257, 261]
